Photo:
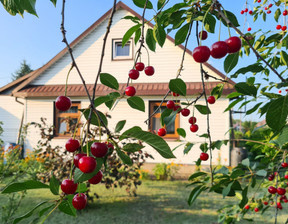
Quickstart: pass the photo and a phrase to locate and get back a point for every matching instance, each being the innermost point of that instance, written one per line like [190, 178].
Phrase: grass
[157, 202]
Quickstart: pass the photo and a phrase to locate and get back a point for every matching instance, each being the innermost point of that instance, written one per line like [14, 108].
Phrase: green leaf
[195, 193]
[246, 162]
[181, 132]
[141, 4]
[160, 4]
[44, 210]
[197, 174]
[210, 23]
[155, 141]
[217, 91]
[277, 14]
[227, 190]
[124, 157]
[181, 34]
[246, 89]
[255, 68]
[54, 185]
[277, 113]
[223, 170]
[79, 176]
[159, 34]
[231, 17]
[132, 147]
[150, 41]
[120, 125]
[134, 19]
[54, 2]
[67, 207]
[171, 118]
[261, 173]
[129, 33]
[136, 102]
[137, 36]
[231, 105]
[284, 57]
[28, 214]
[109, 80]
[103, 99]
[188, 147]
[81, 188]
[230, 62]
[94, 118]
[22, 186]
[29, 6]
[203, 109]
[178, 86]
[234, 95]
[237, 173]
[253, 109]
[165, 113]
[244, 200]
[282, 138]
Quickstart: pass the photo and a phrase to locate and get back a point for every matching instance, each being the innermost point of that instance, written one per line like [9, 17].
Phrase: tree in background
[23, 70]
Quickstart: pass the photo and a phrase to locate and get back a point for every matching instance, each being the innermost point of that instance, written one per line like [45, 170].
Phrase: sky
[38, 39]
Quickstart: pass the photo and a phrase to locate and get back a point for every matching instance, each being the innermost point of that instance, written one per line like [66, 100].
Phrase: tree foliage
[23, 70]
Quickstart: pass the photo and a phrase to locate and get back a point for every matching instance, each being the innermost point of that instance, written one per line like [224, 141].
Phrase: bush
[164, 171]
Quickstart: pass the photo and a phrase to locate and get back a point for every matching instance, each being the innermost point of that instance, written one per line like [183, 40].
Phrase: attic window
[122, 53]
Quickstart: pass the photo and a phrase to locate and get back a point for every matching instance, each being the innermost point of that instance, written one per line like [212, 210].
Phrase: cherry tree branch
[222, 15]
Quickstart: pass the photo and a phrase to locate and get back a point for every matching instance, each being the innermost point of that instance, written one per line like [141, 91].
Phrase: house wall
[10, 115]
[219, 121]
[87, 53]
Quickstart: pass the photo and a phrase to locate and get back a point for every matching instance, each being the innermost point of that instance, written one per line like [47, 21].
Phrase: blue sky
[38, 39]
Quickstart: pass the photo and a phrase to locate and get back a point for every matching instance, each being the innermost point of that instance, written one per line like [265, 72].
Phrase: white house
[38, 90]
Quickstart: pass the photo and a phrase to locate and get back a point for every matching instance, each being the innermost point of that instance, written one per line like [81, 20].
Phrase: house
[38, 90]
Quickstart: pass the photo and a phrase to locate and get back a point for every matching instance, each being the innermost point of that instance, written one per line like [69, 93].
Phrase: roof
[33, 75]
[143, 89]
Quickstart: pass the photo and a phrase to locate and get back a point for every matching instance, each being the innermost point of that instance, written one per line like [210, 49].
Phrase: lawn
[157, 202]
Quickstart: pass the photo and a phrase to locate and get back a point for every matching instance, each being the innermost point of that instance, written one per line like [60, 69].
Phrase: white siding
[10, 115]
[87, 53]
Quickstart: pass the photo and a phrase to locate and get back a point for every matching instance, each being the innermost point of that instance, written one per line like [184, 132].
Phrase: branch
[222, 15]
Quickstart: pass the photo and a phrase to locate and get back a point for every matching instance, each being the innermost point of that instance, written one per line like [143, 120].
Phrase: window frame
[175, 135]
[121, 58]
[57, 114]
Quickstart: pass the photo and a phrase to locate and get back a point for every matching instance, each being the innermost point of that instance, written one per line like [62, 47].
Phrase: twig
[221, 14]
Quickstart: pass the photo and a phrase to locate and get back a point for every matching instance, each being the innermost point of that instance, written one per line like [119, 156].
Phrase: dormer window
[122, 53]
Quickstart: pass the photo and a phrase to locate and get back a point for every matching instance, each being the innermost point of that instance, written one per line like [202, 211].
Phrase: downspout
[21, 122]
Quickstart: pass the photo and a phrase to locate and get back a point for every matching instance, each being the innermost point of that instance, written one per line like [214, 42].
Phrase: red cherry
[256, 209]
[286, 176]
[258, 1]
[170, 104]
[247, 207]
[139, 66]
[219, 49]
[133, 74]
[77, 157]
[175, 94]
[204, 156]
[242, 12]
[249, 29]
[246, 10]
[211, 99]
[68, 186]
[279, 91]
[130, 91]
[79, 201]
[265, 202]
[192, 120]
[283, 28]
[279, 205]
[285, 200]
[149, 70]
[185, 112]
[176, 108]
[271, 177]
[97, 178]
[204, 35]
[194, 127]
[161, 131]
[250, 12]
[201, 54]
[72, 145]
[266, 8]
[269, 11]
[109, 145]
[234, 44]
[285, 13]
[270, 5]
[87, 164]
[63, 103]
[278, 27]
[284, 165]
[281, 191]
[272, 190]
[283, 197]
[99, 149]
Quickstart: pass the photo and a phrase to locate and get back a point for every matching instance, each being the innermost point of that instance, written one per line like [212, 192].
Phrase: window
[155, 123]
[122, 53]
[65, 121]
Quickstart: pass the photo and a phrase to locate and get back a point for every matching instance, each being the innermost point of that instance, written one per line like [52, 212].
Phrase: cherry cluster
[218, 50]
[84, 162]
[281, 191]
[135, 73]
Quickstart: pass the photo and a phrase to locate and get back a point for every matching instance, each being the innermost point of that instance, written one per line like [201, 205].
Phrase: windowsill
[63, 137]
[122, 59]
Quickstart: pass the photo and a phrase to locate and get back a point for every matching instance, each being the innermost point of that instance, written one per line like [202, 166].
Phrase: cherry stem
[87, 148]
[227, 23]
[72, 66]
[71, 171]
[205, 15]
[56, 206]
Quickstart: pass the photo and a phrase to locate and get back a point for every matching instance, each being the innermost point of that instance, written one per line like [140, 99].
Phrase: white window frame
[128, 57]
